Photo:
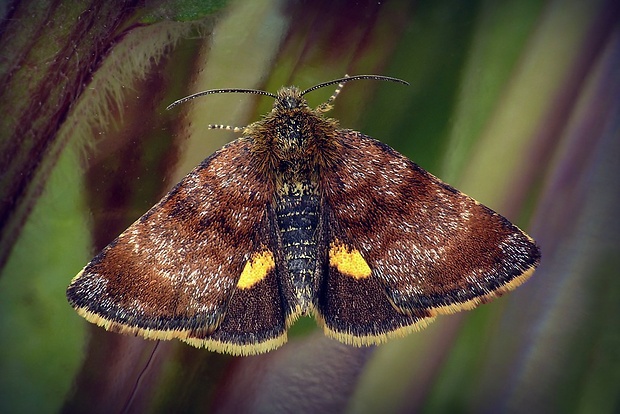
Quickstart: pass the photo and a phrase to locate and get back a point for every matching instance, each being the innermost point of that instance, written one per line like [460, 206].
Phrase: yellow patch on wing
[238, 349]
[348, 261]
[256, 269]
[361, 339]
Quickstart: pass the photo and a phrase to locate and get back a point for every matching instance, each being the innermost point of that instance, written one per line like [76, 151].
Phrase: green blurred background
[516, 103]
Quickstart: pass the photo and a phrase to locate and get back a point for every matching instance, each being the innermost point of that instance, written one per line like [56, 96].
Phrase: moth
[297, 217]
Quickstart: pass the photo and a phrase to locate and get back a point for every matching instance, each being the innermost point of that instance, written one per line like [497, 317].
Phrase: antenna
[347, 78]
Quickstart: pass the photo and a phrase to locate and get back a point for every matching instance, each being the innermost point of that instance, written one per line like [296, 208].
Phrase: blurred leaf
[181, 10]
[41, 339]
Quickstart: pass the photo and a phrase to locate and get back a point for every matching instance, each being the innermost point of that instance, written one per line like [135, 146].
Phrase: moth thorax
[293, 133]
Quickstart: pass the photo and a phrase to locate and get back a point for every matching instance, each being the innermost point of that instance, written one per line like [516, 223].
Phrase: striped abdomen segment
[297, 215]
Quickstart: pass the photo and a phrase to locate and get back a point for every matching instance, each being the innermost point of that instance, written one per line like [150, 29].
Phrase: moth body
[299, 216]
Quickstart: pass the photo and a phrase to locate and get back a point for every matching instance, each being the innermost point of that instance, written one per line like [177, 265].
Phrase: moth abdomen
[297, 216]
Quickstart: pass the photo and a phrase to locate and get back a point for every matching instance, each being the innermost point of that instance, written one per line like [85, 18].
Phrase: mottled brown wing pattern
[431, 249]
[172, 273]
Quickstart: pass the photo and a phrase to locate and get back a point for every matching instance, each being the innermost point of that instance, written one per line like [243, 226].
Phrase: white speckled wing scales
[431, 249]
[172, 273]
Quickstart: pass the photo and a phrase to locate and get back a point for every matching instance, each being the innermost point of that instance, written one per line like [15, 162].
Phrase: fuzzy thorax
[293, 137]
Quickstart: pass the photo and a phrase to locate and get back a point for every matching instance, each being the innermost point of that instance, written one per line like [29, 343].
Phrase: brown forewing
[172, 272]
[433, 248]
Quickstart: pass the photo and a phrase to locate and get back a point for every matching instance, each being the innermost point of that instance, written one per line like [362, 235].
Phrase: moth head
[289, 98]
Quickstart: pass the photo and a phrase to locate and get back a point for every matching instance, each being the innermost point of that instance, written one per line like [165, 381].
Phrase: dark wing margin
[430, 248]
[174, 272]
